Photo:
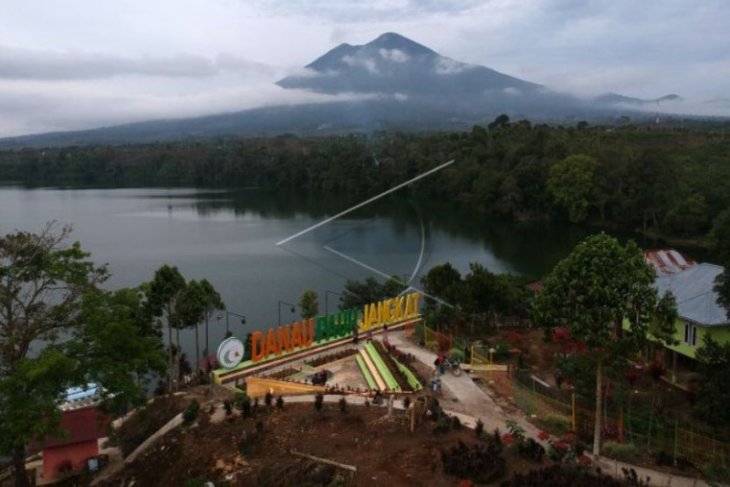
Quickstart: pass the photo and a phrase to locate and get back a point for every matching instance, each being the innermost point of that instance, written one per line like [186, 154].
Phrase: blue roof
[694, 290]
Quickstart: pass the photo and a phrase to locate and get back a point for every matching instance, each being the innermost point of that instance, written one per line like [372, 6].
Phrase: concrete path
[112, 469]
[474, 403]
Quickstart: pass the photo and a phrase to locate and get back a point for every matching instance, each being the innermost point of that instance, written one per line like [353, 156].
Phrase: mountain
[393, 64]
[399, 85]
[616, 99]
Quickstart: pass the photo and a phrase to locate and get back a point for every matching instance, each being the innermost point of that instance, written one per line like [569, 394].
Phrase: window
[690, 334]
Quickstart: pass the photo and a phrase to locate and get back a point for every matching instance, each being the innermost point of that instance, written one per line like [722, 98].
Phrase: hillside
[395, 83]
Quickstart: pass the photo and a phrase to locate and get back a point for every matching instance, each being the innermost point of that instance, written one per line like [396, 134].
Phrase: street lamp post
[228, 313]
[327, 292]
[280, 302]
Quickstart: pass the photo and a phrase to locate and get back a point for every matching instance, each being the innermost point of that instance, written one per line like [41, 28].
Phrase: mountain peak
[394, 64]
[392, 40]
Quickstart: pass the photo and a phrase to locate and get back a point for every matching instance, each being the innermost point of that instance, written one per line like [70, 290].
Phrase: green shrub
[716, 472]
[458, 354]
[318, 402]
[557, 425]
[479, 428]
[625, 452]
[191, 412]
[241, 399]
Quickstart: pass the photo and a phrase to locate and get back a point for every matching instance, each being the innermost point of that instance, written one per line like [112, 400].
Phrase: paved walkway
[474, 403]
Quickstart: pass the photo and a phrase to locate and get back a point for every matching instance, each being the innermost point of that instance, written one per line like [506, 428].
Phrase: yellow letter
[373, 317]
[397, 312]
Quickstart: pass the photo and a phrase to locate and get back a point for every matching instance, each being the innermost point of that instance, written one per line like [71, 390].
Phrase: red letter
[308, 332]
[257, 346]
[296, 335]
[271, 345]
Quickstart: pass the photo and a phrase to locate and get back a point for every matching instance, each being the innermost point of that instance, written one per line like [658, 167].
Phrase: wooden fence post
[575, 430]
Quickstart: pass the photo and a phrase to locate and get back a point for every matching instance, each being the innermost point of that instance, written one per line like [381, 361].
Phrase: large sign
[230, 353]
[390, 310]
[304, 333]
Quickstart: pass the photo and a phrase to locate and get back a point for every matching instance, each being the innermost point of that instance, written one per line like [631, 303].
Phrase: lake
[230, 238]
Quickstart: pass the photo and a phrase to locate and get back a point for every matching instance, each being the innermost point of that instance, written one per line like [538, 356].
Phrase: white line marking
[420, 255]
[384, 275]
[366, 202]
[355, 261]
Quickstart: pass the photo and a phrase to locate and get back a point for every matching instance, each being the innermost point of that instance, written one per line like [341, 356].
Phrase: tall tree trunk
[170, 359]
[21, 477]
[178, 363]
[599, 397]
[197, 349]
[207, 349]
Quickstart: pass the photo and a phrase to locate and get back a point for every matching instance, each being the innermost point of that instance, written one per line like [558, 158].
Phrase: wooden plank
[345, 466]
[485, 367]
[258, 387]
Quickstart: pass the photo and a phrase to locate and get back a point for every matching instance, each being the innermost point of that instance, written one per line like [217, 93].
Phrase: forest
[668, 182]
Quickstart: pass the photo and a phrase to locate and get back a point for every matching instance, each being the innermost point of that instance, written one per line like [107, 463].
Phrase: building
[700, 313]
[83, 426]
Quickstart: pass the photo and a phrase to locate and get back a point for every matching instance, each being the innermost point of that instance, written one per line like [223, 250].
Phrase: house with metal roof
[700, 313]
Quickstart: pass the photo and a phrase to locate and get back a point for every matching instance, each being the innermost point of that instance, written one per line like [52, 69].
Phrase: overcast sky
[70, 64]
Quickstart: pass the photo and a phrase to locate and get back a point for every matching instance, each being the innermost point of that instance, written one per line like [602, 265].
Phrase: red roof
[79, 425]
[668, 261]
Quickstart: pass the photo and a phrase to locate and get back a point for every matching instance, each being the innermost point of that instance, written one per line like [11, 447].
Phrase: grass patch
[623, 452]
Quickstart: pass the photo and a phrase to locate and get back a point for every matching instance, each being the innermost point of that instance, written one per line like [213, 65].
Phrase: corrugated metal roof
[668, 261]
[694, 290]
[80, 425]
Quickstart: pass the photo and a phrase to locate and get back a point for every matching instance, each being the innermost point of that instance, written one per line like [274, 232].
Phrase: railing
[679, 440]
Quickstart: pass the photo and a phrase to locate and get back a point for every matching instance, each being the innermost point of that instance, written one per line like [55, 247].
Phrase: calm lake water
[231, 238]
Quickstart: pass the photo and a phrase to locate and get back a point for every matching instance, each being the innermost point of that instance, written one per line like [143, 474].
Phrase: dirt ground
[382, 449]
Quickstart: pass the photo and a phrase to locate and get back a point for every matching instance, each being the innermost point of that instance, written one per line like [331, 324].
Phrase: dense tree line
[668, 181]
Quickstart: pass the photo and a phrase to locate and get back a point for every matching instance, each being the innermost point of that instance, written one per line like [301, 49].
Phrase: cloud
[23, 63]
[395, 55]
[131, 60]
[42, 106]
[444, 65]
[373, 10]
[361, 61]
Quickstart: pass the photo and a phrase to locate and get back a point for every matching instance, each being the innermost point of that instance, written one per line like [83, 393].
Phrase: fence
[679, 441]
[437, 341]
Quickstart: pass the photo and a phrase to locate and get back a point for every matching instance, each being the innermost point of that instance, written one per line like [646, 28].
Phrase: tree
[443, 282]
[720, 239]
[213, 301]
[664, 319]
[308, 304]
[480, 291]
[598, 288]
[357, 294]
[164, 292]
[689, 217]
[571, 184]
[191, 309]
[50, 302]
[713, 368]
